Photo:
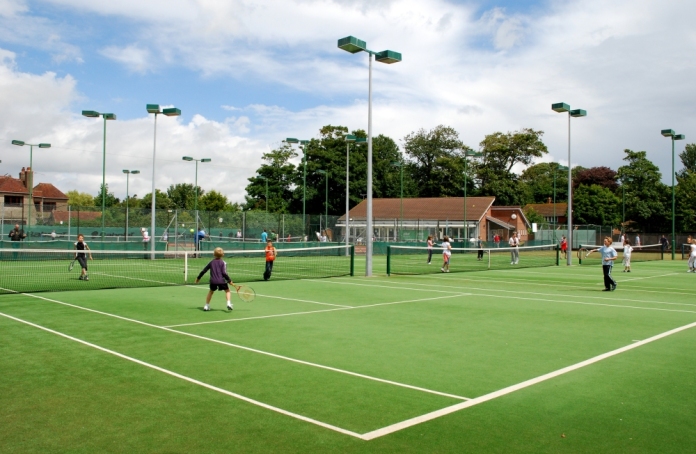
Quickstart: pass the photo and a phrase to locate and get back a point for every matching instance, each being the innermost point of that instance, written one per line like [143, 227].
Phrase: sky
[248, 73]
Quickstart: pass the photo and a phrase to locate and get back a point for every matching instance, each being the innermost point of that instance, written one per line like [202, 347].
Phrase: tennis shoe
[613, 287]
[86, 277]
[442, 269]
[82, 278]
[606, 290]
[206, 308]
[229, 307]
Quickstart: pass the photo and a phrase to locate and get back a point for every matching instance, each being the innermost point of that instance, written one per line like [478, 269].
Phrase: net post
[388, 260]
[352, 260]
[558, 255]
[580, 254]
[489, 259]
[185, 267]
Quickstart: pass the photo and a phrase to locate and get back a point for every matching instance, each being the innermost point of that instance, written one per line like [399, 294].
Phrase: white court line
[539, 299]
[454, 295]
[241, 347]
[647, 277]
[510, 389]
[202, 287]
[190, 380]
[544, 294]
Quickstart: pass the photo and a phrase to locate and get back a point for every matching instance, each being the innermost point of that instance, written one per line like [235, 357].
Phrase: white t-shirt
[637, 240]
[514, 242]
[446, 248]
[627, 251]
[146, 236]
[693, 250]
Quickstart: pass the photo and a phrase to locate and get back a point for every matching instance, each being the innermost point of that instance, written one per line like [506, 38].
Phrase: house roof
[84, 215]
[9, 185]
[546, 209]
[48, 191]
[500, 223]
[436, 208]
[505, 213]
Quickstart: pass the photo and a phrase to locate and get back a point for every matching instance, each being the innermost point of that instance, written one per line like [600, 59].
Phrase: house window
[14, 200]
[49, 206]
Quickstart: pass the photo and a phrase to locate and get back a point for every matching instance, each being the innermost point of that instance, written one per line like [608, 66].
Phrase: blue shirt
[264, 237]
[200, 235]
[607, 252]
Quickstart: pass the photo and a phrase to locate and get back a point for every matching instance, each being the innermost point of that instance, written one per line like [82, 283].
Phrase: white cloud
[133, 57]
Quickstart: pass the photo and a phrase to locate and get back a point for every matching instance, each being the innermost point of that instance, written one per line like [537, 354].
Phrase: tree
[537, 181]
[437, 161]
[162, 201]
[501, 152]
[183, 195]
[280, 175]
[602, 176]
[213, 201]
[685, 192]
[80, 199]
[646, 196]
[534, 217]
[595, 204]
[110, 199]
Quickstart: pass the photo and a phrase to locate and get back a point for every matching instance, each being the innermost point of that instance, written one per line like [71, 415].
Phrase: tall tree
[183, 195]
[162, 201]
[501, 152]
[437, 161]
[213, 201]
[595, 204]
[110, 199]
[80, 199]
[276, 170]
[686, 191]
[646, 195]
[538, 183]
[602, 176]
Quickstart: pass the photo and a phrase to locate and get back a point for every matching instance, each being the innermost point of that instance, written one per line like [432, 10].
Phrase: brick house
[14, 199]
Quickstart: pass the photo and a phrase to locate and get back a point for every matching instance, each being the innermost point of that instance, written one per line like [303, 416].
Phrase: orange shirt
[270, 253]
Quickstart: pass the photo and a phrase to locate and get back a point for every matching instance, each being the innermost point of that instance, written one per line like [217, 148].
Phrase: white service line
[281, 298]
[510, 389]
[241, 347]
[647, 277]
[190, 380]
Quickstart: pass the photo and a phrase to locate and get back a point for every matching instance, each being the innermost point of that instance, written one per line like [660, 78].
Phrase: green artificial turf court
[508, 360]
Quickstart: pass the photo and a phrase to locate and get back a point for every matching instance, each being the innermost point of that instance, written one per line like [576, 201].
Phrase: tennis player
[627, 249]
[564, 246]
[514, 243]
[80, 245]
[219, 279]
[270, 258]
[479, 243]
[692, 255]
[446, 254]
[430, 248]
[608, 256]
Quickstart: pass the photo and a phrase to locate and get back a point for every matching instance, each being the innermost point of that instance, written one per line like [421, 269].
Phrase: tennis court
[504, 360]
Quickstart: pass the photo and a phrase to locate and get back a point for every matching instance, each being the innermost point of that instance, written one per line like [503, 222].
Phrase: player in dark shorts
[80, 245]
[219, 279]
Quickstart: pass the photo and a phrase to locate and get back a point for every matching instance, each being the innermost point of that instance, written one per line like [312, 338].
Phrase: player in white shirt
[627, 249]
[514, 243]
[692, 255]
[446, 254]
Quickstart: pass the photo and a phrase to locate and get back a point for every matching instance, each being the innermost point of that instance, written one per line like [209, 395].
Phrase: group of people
[446, 245]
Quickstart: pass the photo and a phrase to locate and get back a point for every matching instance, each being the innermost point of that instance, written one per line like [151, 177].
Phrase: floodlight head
[352, 44]
[90, 113]
[109, 116]
[187, 158]
[578, 113]
[361, 140]
[679, 137]
[44, 145]
[560, 107]
[206, 160]
[172, 112]
[667, 132]
[304, 142]
[262, 177]
[321, 171]
[18, 142]
[388, 57]
[473, 154]
[291, 140]
[153, 108]
[349, 138]
[135, 172]
[126, 171]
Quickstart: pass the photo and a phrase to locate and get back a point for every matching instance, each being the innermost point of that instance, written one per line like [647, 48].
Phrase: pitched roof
[48, 191]
[436, 208]
[546, 209]
[12, 185]
[506, 213]
[84, 215]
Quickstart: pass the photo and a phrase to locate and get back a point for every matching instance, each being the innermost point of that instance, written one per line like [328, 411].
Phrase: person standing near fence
[479, 244]
[637, 240]
[16, 235]
[264, 236]
[692, 255]
[564, 246]
[664, 243]
[430, 248]
[608, 256]
[496, 240]
[627, 249]
[446, 254]
[515, 251]
[146, 239]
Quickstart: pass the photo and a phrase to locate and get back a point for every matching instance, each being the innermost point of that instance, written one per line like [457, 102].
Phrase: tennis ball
[191, 230]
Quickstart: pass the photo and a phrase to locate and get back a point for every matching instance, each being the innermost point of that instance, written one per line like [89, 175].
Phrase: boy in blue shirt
[608, 256]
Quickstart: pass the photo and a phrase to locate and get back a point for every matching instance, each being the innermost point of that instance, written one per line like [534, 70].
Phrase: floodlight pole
[670, 133]
[128, 174]
[31, 167]
[195, 186]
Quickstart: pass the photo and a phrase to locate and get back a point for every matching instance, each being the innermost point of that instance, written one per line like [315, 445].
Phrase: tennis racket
[72, 264]
[246, 294]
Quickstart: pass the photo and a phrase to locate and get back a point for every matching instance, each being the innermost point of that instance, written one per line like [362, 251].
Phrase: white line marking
[191, 380]
[647, 277]
[510, 389]
[241, 347]
[280, 298]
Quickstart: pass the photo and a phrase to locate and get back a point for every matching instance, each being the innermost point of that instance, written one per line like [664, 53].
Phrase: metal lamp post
[128, 174]
[106, 116]
[303, 147]
[326, 198]
[354, 45]
[556, 168]
[170, 112]
[467, 154]
[31, 167]
[670, 133]
[357, 140]
[563, 107]
[195, 201]
[400, 165]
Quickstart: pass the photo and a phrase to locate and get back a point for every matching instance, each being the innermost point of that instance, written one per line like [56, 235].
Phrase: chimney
[29, 176]
[22, 177]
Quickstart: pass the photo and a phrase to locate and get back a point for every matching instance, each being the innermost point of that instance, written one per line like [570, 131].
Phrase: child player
[608, 257]
[627, 249]
[80, 245]
[270, 257]
[218, 278]
[446, 254]
[692, 255]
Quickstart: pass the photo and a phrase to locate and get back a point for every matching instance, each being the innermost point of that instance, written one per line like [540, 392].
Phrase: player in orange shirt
[270, 257]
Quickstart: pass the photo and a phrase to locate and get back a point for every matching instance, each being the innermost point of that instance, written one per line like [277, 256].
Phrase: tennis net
[645, 253]
[414, 259]
[41, 270]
